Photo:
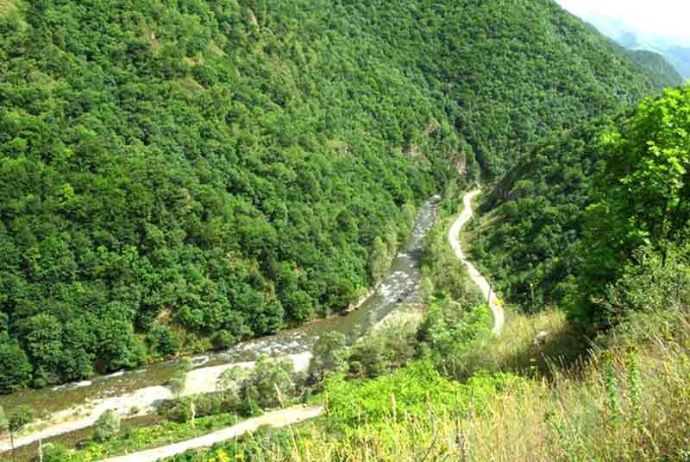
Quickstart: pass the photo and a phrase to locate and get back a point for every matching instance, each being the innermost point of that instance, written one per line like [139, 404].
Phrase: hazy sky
[669, 18]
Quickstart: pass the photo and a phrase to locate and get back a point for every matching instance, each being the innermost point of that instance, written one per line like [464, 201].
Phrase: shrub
[330, 355]
[15, 369]
[411, 390]
[106, 427]
[385, 349]
[232, 381]
[270, 383]
[55, 452]
[163, 341]
[223, 339]
[449, 330]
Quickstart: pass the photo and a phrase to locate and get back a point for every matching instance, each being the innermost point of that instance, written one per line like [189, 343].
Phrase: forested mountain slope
[510, 73]
[185, 174]
[654, 64]
[534, 217]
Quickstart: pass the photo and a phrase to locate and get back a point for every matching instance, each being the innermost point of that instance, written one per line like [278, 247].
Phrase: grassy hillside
[183, 175]
[626, 403]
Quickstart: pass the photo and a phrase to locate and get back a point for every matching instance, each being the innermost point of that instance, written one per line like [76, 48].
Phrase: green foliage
[180, 409]
[19, 417]
[15, 367]
[383, 350]
[409, 391]
[232, 380]
[42, 336]
[271, 383]
[330, 355]
[55, 452]
[163, 341]
[106, 427]
[650, 282]
[449, 330]
[640, 198]
[379, 260]
[227, 166]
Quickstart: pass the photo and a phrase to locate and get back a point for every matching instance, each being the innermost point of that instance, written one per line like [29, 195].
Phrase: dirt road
[199, 381]
[275, 419]
[453, 237]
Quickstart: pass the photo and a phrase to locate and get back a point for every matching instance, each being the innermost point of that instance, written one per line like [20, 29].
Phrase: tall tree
[17, 419]
[641, 196]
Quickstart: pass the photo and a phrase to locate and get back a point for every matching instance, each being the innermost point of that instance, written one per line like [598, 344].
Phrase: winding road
[275, 419]
[298, 414]
[495, 303]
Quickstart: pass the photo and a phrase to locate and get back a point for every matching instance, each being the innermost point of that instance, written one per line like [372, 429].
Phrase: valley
[323, 230]
[74, 407]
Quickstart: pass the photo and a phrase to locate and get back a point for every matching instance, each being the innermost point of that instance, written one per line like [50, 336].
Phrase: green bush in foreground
[413, 390]
[106, 427]
[640, 199]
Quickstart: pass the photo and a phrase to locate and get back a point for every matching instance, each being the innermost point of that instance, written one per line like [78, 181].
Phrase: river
[401, 286]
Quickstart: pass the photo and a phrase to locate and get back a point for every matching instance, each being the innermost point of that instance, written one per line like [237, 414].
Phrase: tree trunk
[12, 445]
[192, 411]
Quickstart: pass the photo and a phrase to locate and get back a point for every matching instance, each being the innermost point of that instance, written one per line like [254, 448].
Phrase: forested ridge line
[182, 175]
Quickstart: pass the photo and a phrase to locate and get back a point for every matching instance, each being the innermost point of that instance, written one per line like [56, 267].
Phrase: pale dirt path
[199, 381]
[453, 236]
[275, 419]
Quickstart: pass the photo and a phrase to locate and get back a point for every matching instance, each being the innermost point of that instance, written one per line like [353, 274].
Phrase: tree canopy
[575, 214]
[640, 197]
[182, 175]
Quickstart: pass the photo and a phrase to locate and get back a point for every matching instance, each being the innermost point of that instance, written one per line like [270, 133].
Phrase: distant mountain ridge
[663, 73]
[677, 53]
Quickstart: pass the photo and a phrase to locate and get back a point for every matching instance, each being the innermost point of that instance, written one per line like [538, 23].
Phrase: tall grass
[630, 402]
[536, 345]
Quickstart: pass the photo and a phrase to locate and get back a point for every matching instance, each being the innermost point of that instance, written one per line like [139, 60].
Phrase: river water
[401, 286]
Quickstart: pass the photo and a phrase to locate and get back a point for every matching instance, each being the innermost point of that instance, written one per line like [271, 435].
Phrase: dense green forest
[656, 65]
[561, 227]
[544, 389]
[529, 235]
[183, 174]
